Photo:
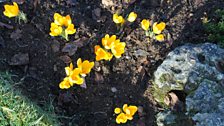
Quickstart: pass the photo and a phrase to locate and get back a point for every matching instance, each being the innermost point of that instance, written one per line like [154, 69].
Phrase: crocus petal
[118, 19]
[75, 77]
[70, 29]
[118, 49]
[68, 70]
[160, 37]
[108, 42]
[161, 26]
[62, 20]
[117, 110]
[132, 16]
[102, 54]
[125, 106]
[55, 29]
[132, 109]
[129, 117]
[158, 28]
[67, 20]
[16, 5]
[65, 84]
[145, 24]
[11, 10]
[79, 63]
[84, 66]
[58, 19]
[121, 118]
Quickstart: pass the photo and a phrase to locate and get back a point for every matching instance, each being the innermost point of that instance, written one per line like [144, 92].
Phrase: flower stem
[64, 35]
[147, 33]
[22, 16]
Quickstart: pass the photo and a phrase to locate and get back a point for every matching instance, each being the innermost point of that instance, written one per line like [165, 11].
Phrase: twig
[6, 25]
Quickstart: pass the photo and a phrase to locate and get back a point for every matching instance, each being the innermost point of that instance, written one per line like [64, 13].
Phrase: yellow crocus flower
[117, 110]
[118, 19]
[121, 118]
[70, 29]
[61, 20]
[132, 16]
[55, 30]
[102, 54]
[129, 111]
[11, 10]
[65, 84]
[145, 24]
[158, 28]
[85, 66]
[160, 37]
[108, 41]
[75, 78]
[118, 48]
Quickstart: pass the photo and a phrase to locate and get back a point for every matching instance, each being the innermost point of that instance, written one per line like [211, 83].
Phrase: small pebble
[113, 89]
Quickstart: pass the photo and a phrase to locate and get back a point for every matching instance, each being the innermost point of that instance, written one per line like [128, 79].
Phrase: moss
[166, 78]
[215, 30]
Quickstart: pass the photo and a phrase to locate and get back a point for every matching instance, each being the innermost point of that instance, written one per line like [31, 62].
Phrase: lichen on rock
[198, 71]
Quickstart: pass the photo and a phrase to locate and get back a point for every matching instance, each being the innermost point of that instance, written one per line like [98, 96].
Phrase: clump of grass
[17, 110]
[215, 29]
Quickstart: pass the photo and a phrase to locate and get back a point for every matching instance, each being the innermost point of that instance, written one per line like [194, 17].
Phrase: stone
[206, 104]
[114, 89]
[186, 66]
[196, 70]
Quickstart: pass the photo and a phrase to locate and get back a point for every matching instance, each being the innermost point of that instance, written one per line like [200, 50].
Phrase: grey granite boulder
[206, 104]
[198, 71]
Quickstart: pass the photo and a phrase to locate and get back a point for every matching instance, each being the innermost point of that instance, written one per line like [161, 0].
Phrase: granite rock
[198, 71]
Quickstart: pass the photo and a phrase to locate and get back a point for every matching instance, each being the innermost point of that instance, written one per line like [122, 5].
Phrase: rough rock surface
[198, 71]
[206, 104]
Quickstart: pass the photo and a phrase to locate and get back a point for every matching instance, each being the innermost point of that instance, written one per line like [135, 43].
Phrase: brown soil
[130, 75]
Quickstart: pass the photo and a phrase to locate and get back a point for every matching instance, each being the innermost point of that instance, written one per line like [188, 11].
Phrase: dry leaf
[6, 25]
[70, 48]
[83, 85]
[141, 111]
[173, 101]
[141, 52]
[35, 3]
[81, 42]
[169, 39]
[99, 77]
[19, 59]
[65, 59]
[55, 46]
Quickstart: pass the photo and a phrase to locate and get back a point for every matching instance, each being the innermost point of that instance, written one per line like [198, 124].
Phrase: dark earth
[37, 62]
